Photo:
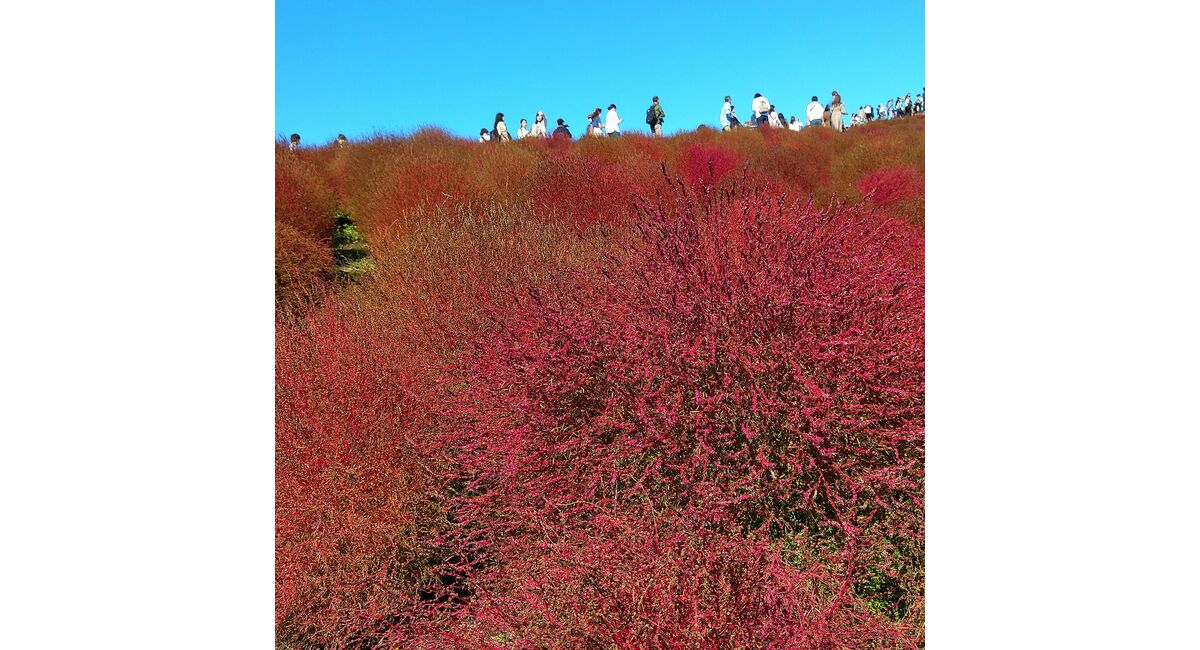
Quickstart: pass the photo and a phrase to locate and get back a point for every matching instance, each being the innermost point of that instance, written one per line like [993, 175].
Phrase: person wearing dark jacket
[562, 131]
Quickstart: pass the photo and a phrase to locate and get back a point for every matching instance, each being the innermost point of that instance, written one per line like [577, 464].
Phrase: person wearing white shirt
[612, 122]
[795, 124]
[539, 125]
[523, 132]
[725, 112]
[814, 112]
[483, 135]
[761, 108]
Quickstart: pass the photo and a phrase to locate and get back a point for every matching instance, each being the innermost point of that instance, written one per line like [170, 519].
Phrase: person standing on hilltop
[612, 121]
[773, 118]
[655, 115]
[761, 108]
[562, 131]
[341, 141]
[539, 125]
[523, 131]
[595, 127]
[294, 142]
[499, 130]
[726, 111]
[795, 124]
[836, 110]
[814, 112]
[484, 136]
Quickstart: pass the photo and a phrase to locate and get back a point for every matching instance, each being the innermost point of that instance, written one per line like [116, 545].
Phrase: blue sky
[355, 67]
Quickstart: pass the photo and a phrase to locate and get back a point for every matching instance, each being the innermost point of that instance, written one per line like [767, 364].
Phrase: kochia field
[603, 393]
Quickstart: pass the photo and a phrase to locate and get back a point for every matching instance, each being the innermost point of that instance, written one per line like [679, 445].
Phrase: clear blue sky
[357, 66]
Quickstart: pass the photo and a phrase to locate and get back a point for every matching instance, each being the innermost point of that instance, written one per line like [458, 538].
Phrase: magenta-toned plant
[746, 363]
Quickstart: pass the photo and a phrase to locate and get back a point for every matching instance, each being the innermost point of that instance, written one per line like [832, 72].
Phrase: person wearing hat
[655, 116]
[562, 130]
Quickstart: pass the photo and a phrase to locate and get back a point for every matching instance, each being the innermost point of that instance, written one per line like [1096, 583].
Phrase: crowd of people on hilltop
[608, 126]
[830, 115]
[764, 115]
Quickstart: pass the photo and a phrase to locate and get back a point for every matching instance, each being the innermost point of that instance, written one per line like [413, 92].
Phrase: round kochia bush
[744, 361]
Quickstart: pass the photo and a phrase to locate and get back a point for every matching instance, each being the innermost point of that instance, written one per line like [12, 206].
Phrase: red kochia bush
[745, 356]
[747, 363]
[635, 582]
[893, 186]
[355, 511]
[700, 164]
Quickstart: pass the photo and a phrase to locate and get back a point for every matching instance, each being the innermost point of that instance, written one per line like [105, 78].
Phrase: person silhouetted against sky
[499, 130]
[294, 142]
[761, 108]
[655, 115]
[539, 125]
[814, 112]
[484, 136]
[774, 119]
[595, 127]
[836, 110]
[562, 131]
[341, 140]
[726, 109]
[919, 102]
[612, 121]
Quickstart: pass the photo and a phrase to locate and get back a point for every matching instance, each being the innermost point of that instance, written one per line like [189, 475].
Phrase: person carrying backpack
[761, 108]
[562, 131]
[655, 115]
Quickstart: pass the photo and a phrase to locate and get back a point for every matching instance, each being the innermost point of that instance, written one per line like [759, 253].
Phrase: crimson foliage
[746, 363]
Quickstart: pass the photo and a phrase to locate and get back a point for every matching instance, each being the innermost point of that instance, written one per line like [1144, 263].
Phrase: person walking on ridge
[761, 108]
[612, 121]
[594, 128]
[726, 111]
[814, 112]
[562, 131]
[655, 116]
[836, 110]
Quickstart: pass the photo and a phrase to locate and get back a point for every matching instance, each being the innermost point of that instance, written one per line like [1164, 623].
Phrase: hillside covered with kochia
[628, 392]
